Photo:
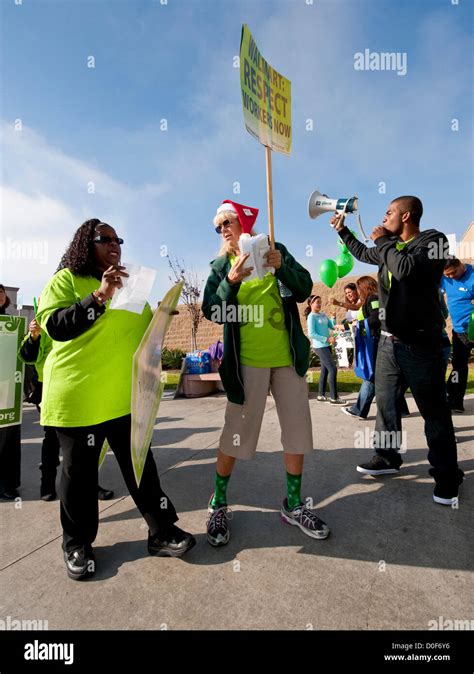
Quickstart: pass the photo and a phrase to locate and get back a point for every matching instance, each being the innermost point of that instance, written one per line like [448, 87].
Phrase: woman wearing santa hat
[272, 353]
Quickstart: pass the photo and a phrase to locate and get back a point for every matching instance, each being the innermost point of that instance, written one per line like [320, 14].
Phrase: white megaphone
[320, 203]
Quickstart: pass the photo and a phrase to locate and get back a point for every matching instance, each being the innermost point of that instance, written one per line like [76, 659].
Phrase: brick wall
[179, 334]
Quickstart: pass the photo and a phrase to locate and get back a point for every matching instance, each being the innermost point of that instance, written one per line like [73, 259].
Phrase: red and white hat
[246, 214]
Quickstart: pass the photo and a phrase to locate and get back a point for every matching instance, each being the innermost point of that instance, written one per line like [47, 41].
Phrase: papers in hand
[136, 289]
[257, 246]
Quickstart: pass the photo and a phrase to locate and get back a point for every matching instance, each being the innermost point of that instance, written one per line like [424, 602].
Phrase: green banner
[147, 384]
[12, 331]
[266, 97]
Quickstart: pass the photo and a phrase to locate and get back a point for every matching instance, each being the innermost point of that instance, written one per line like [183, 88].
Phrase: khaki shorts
[243, 422]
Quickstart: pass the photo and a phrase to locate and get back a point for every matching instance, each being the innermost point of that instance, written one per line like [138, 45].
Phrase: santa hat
[245, 214]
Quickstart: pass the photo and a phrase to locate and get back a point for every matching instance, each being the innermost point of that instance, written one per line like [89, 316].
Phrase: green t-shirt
[264, 340]
[88, 379]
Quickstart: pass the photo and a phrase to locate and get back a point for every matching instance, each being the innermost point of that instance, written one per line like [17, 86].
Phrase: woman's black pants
[81, 448]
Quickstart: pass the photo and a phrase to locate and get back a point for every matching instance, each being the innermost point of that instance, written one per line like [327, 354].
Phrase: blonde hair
[226, 247]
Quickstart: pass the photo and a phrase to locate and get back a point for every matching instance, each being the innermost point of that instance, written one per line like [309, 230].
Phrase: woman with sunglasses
[260, 353]
[87, 395]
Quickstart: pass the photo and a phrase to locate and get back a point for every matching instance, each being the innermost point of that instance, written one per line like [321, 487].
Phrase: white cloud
[33, 237]
[45, 198]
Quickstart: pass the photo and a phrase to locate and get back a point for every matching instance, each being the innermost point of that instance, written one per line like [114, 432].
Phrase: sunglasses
[223, 225]
[108, 239]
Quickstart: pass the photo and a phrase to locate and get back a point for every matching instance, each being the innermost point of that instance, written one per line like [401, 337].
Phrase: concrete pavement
[394, 560]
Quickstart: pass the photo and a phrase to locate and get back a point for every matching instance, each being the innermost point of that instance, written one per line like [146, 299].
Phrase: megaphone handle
[359, 222]
[342, 216]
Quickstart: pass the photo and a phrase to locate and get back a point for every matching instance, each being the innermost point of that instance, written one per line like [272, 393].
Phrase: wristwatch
[99, 297]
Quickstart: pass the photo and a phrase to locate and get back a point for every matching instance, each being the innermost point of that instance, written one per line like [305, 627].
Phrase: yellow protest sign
[266, 97]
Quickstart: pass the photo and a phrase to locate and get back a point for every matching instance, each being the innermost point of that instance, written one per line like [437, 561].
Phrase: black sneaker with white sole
[80, 563]
[446, 491]
[170, 542]
[218, 530]
[347, 410]
[378, 465]
[446, 494]
[306, 520]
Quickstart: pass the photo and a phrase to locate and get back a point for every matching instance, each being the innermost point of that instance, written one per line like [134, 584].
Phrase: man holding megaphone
[410, 345]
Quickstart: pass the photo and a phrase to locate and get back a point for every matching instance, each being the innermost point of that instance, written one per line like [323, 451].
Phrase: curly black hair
[79, 256]
[7, 299]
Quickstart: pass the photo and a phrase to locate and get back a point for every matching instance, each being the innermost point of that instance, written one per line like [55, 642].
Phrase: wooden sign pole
[268, 162]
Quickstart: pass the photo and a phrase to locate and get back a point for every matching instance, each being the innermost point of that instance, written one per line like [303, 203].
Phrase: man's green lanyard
[399, 246]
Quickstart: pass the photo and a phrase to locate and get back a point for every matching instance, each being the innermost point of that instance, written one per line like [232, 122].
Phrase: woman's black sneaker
[80, 563]
[171, 542]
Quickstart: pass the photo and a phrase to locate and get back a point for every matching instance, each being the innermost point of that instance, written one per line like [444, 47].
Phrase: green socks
[293, 485]
[220, 491]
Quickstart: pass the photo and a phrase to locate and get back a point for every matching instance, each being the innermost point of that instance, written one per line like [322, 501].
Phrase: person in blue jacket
[458, 285]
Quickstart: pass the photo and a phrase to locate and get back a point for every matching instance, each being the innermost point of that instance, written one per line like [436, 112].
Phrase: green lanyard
[399, 246]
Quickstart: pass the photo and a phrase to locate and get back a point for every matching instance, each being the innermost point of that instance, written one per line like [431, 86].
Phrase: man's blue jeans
[456, 386]
[364, 400]
[423, 369]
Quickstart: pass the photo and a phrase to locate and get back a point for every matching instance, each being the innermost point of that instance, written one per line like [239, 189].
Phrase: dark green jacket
[295, 285]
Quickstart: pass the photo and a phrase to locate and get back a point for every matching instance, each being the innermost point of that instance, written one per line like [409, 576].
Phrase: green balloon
[342, 246]
[328, 272]
[345, 263]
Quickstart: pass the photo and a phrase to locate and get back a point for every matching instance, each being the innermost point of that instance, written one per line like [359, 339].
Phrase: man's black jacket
[410, 307]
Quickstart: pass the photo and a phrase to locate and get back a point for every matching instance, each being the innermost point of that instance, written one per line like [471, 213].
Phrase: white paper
[343, 343]
[136, 289]
[257, 246]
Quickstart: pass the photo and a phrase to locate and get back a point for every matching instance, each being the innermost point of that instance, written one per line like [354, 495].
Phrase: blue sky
[159, 188]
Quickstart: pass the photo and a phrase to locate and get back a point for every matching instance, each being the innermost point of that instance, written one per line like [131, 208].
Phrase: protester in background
[458, 285]
[4, 300]
[87, 395]
[269, 353]
[368, 294]
[34, 350]
[319, 327]
[351, 302]
[410, 347]
[10, 439]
